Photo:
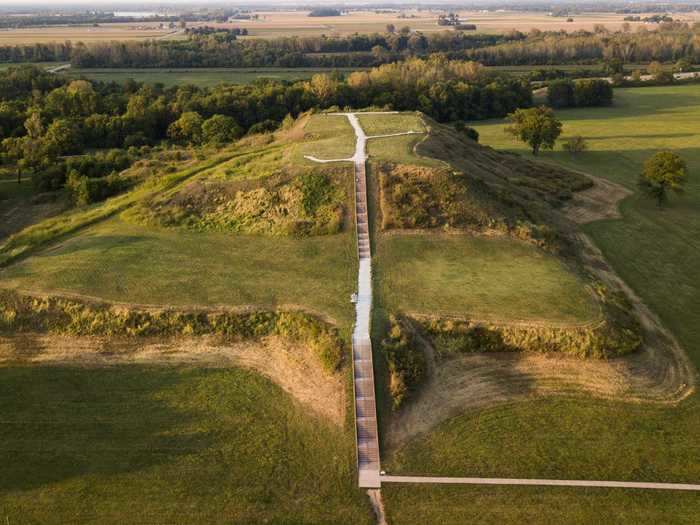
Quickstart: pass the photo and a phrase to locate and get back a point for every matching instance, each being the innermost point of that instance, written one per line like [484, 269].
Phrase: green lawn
[656, 251]
[202, 77]
[390, 123]
[478, 277]
[399, 150]
[329, 137]
[125, 262]
[168, 445]
[458, 505]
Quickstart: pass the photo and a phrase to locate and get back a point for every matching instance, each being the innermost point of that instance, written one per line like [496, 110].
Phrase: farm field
[273, 24]
[86, 33]
[482, 278]
[204, 77]
[172, 444]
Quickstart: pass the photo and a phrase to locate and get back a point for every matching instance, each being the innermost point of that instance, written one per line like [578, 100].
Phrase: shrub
[55, 315]
[406, 362]
[575, 145]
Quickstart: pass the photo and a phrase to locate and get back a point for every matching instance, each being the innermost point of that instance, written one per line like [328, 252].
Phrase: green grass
[656, 252]
[457, 505]
[399, 150]
[168, 445]
[390, 123]
[328, 137]
[130, 263]
[203, 77]
[478, 277]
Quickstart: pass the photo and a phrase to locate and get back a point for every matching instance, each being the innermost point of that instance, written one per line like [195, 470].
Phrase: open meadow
[174, 444]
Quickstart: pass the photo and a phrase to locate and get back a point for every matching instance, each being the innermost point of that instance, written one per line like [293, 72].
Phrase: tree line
[44, 118]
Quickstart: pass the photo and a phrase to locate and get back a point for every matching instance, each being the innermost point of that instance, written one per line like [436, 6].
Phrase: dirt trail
[597, 203]
[292, 367]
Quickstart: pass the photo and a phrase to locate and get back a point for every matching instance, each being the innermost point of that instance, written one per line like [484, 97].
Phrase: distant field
[274, 24]
[163, 445]
[478, 277]
[204, 77]
[123, 262]
[277, 23]
[86, 33]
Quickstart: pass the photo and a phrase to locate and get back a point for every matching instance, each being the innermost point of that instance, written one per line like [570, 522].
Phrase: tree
[220, 129]
[187, 129]
[390, 28]
[575, 145]
[665, 171]
[62, 137]
[560, 93]
[537, 127]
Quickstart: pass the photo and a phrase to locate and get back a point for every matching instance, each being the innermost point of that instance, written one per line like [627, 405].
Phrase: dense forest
[46, 120]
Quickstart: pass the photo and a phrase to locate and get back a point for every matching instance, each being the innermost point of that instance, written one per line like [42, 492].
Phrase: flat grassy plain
[202, 77]
[165, 445]
[119, 261]
[477, 277]
[84, 33]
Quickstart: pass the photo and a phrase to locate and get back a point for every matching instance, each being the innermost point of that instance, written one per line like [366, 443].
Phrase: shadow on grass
[60, 423]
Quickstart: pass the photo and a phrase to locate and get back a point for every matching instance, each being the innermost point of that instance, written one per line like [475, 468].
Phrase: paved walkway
[541, 482]
[366, 431]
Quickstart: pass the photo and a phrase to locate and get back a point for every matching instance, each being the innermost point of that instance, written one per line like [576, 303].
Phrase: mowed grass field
[204, 77]
[119, 261]
[163, 445]
[385, 124]
[330, 137]
[480, 278]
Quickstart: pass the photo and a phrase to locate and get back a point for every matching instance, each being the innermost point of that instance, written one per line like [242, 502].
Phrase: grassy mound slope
[273, 191]
[124, 262]
[168, 445]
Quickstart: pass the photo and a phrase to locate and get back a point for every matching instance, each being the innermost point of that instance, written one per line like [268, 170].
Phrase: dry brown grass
[291, 366]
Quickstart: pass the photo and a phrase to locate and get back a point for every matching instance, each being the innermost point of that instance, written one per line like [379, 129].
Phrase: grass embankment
[124, 261]
[168, 445]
